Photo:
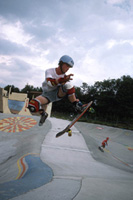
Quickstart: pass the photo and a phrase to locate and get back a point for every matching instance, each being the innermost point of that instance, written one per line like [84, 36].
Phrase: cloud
[35, 34]
[14, 32]
[123, 4]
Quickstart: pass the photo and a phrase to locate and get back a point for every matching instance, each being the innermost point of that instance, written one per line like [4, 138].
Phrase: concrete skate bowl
[118, 153]
[15, 106]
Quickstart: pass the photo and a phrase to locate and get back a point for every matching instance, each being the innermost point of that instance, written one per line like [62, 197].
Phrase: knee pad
[68, 88]
[34, 105]
[71, 91]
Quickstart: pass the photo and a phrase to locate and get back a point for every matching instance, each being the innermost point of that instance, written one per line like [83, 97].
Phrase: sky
[34, 34]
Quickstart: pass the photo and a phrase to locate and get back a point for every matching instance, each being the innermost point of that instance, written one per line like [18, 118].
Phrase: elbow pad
[51, 82]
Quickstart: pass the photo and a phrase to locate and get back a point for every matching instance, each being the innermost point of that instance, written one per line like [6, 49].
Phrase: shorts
[52, 95]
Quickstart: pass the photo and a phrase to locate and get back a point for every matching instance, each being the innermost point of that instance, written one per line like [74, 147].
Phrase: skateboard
[68, 128]
[101, 149]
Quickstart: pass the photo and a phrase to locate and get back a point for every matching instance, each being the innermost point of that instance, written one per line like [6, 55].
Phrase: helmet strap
[61, 64]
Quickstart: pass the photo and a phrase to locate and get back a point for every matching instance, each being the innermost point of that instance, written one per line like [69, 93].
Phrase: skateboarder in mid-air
[56, 85]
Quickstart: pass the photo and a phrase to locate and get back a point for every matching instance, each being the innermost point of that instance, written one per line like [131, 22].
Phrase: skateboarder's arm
[53, 82]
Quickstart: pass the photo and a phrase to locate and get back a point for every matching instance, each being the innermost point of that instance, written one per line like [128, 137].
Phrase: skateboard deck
[101, 149]
[67, 129]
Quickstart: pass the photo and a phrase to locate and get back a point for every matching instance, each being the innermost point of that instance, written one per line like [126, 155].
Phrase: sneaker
[79, 107]
[44, 116]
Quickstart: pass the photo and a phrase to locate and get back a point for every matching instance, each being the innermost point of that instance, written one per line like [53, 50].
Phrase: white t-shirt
[51, 73]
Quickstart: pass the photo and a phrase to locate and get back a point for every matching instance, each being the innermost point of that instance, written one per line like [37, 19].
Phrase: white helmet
[66, 59]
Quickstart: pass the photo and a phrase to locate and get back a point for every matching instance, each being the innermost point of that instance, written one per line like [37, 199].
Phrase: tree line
[112, 99]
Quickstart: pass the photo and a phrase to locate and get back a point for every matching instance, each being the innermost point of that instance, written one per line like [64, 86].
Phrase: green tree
[13, 88]
[124, 97]
[27, 88]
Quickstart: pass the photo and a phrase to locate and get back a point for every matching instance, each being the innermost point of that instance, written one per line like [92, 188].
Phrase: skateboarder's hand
[65, 79]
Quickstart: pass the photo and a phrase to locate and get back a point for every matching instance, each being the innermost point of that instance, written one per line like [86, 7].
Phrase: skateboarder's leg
[43, 115]
[68, 89]
[39, 105]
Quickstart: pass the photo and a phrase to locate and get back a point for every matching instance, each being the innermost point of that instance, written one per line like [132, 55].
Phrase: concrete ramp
[79, 170]
[118, 153]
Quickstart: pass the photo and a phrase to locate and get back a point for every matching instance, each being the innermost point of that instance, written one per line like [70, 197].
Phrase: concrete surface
[75, 167]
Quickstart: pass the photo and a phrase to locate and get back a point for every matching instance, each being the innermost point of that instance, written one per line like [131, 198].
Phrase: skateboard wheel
[70, 133]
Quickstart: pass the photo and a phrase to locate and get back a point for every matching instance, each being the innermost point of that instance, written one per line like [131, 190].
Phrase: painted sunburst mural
[16, 124]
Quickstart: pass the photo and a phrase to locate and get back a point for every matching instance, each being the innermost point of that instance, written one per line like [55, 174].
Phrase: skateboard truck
[69, 132]
[67, 129]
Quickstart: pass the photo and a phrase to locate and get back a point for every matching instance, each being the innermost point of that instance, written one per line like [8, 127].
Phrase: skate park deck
[36, 165]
